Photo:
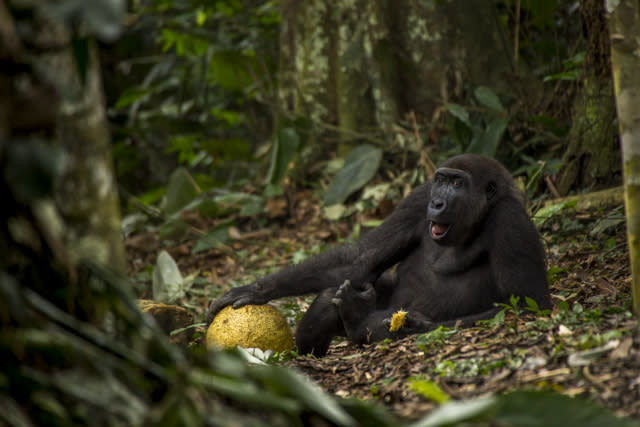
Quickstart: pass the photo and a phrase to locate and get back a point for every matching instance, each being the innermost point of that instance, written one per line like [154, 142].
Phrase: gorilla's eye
[439, 179]
[457, 183]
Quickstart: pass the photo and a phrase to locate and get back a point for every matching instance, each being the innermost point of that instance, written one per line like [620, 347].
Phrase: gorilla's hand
[237, 297]
[414, 323]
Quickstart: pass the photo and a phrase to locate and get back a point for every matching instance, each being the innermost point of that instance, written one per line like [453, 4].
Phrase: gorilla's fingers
[237, 298]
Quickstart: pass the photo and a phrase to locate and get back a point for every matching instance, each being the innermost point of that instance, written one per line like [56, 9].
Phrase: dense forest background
[281, 92]
[241, 135]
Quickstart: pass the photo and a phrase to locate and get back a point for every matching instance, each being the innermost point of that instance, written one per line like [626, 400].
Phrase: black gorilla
[461, 242]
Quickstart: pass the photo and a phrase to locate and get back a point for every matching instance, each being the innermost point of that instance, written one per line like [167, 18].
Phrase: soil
[588, 346]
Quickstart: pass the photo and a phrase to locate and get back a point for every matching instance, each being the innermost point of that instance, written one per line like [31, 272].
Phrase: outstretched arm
[361, 262]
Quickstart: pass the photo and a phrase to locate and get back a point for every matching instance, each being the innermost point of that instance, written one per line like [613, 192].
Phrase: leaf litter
[587, 346]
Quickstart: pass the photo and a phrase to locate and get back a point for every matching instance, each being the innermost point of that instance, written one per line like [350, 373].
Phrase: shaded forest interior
[172, 150]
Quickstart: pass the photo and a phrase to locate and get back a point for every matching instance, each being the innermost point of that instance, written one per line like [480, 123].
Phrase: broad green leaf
[359, 167]
[547, 409]
[167, 283]
[453, 413]
[131, 95]
[180, 191]
[230, 69]
[288, 383]
[211, 240]
[284, 149]
[173, 227]
[239, 389]
[459, 112]
[571, 75]
[487, 143]
[428, 389]
[488, 98]
[548, 211]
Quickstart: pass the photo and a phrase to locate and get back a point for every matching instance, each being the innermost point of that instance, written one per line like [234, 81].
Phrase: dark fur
[490, 252]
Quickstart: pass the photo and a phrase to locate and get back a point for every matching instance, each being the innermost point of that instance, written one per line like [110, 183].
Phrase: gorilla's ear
[492, 189]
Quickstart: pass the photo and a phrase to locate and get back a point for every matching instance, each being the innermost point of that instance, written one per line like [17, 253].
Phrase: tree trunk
[86, 193]
[625, 58]
[65, 100]
[592, 157]
[357, 68]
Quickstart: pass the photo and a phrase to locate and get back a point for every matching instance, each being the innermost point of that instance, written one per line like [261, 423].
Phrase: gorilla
[451, 250]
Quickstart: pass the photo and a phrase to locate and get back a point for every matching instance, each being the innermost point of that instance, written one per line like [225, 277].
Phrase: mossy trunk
[86, 193]
[625, 58]
[592, 158]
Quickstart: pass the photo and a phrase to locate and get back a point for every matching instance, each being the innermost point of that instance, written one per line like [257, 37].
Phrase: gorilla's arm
[362, 262]
[376, 326]
[517, 256]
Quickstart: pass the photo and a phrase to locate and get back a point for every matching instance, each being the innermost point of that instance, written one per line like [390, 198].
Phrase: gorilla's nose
[437, 205]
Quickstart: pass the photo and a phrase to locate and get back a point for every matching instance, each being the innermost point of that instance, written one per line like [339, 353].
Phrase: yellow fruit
[251, 326]
[397, 320]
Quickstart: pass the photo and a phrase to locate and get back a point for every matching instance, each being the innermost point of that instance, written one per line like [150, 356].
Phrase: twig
[552, 187]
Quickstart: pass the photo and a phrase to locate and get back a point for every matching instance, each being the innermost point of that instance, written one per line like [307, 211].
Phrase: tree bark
[86, 193]
[69, 103]
[592, 157]
[625, 55]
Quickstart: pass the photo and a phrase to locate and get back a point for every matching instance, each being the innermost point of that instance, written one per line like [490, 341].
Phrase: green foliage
[181, 190]
[547, 212]
[436, 337]
[205, 86]
[572, 69]
[213, 239]
[428, 389]
[481, 131]
[285, 148]
[523, 408]
[359, 167]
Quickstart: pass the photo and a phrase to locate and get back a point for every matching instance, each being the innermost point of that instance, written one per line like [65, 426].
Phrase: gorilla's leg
[319, 325]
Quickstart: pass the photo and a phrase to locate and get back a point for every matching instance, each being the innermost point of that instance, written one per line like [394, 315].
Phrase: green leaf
[131, 95]
[547, 409]
[532, 305]
[230, 69]
[359, 167]
[428, 389]
[548, 211]
[488, 98]
[459, 112]
[288, 383]
[173, 227]
[211, 240]
[284, 150]
[454, 413]
[571, 75]
[180, 191]
[487, 143]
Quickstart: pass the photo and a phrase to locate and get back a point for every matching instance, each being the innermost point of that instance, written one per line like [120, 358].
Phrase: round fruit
[251, 326]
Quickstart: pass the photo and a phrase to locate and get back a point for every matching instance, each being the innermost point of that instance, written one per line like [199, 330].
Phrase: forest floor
[588, 346]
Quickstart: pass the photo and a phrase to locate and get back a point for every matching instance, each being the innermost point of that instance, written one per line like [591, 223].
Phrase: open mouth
[438, 231]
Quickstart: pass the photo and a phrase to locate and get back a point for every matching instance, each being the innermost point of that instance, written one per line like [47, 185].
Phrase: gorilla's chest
[445, 261]
[430, 276]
